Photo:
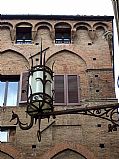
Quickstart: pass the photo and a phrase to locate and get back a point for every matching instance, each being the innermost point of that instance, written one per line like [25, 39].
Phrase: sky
[72, 7]
[65, 7]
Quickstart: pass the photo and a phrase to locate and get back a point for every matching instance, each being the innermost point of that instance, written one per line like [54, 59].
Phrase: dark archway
[74, 148]
[68, 154]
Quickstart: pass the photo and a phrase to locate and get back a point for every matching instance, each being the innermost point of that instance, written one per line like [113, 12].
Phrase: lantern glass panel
[40, 91]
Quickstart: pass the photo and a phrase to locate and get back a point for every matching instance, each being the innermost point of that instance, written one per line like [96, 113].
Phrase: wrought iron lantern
[40, 100]
[40, 97]
[39, 94]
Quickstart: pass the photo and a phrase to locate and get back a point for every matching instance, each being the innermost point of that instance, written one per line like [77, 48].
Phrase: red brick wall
[87, 56]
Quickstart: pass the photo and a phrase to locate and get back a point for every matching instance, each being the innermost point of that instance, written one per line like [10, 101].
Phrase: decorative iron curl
[104, 113]
[15, 116]
[108, 113]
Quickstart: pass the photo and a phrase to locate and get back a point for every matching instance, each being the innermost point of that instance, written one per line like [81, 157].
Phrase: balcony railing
[60, 41]
[21, 41]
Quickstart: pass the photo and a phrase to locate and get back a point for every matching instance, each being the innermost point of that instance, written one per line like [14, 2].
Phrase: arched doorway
[68, 151]
[68, 154]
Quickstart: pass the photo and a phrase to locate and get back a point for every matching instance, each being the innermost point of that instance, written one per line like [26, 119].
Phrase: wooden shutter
[23, 87]
[59, 89]
[72, 89]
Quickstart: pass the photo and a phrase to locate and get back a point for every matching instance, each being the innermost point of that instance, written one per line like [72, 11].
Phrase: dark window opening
[9, 88]
[62, 35]
[23, 35]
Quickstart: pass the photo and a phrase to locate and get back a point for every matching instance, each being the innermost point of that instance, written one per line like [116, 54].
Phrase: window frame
[7, 129]
[7, 79]
[66, 101]
[4, 130]
[24, 82]
[21, 40]
[78, 92]
[63, 39]
[64, 90]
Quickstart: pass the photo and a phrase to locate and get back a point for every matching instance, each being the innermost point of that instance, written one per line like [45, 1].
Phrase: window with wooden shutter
[59, 87]
[66, 89]
[73, 89]
[23, 87]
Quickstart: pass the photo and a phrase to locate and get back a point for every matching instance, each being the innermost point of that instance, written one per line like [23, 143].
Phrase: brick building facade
[82, 49]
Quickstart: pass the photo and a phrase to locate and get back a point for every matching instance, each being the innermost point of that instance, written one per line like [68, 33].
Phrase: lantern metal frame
[109, 112]
[45, 98]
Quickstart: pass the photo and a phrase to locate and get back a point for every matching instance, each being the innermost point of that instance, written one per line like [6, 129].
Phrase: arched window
[24, 34]
[62, 33]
